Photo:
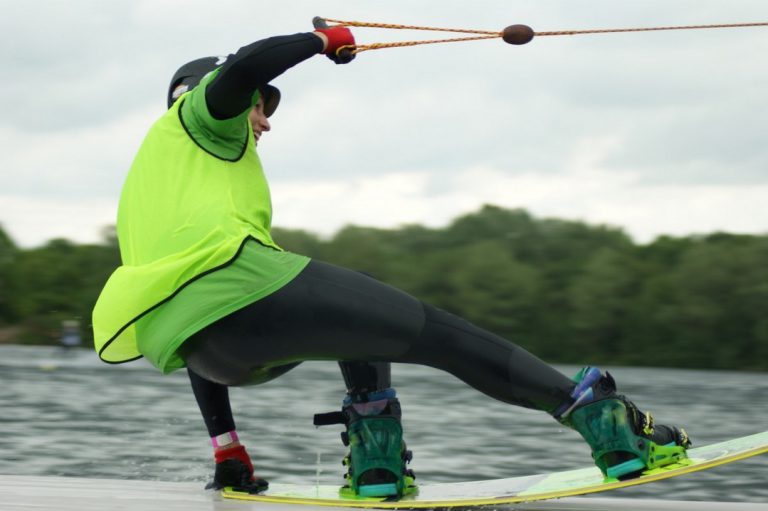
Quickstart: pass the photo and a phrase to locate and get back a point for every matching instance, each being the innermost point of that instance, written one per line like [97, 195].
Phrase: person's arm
[215, 113]
[232, 91]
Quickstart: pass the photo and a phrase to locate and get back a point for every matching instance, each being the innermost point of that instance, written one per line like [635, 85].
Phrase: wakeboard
[512, 490]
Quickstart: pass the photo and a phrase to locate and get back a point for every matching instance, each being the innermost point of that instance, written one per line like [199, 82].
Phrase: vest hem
[170, 350]
[168, 298]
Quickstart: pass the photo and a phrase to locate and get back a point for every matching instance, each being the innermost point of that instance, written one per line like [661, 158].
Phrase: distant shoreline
[10, 335]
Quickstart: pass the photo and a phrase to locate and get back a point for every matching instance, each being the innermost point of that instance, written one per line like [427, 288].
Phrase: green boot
[624, 440]
[377, 459]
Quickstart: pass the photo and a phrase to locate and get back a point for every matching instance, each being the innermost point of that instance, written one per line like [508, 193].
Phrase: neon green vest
[183, 213]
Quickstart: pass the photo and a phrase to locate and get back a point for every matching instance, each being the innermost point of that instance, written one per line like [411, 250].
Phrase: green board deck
[512, 490]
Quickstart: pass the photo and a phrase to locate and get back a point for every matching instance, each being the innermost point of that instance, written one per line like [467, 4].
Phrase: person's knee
[233, 375]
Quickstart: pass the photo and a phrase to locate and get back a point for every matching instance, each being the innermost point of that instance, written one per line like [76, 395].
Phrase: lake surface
[65, 413]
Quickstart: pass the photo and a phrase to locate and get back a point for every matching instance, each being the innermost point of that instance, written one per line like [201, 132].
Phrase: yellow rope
[649, 29]
[488, 34]
[379, 46]
[408, 27]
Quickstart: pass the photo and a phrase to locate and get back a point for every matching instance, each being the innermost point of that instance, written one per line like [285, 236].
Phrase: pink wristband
[224, 439]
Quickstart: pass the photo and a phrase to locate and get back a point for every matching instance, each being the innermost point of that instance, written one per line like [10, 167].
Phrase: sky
[657, 133]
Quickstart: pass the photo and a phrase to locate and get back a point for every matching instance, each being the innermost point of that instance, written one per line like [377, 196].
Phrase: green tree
[600, 300]
[566, 290]
[62, 281]
[299, 242]
[492, 288]
[8, 280]
[721, 302]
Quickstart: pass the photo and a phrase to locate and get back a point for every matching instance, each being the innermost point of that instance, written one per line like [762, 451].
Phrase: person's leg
[364, 378]
[233, 464]
[330, 313]
[213, 401]
[377, 459]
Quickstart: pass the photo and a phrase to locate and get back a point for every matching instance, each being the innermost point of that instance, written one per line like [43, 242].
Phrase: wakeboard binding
[625, 441]
[377, 459]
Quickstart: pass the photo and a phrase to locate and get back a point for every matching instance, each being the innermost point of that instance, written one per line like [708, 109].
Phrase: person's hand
[340, 44]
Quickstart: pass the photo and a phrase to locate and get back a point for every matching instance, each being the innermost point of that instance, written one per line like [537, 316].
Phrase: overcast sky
[656, 133]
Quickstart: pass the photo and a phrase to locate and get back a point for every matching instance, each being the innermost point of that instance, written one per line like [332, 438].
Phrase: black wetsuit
[331, 313]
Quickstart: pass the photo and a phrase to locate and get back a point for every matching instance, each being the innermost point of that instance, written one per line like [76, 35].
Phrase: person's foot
[234, 468]
[377, 459]
[624, 440]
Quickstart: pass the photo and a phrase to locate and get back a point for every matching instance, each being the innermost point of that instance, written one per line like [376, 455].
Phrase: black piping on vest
[178, 290]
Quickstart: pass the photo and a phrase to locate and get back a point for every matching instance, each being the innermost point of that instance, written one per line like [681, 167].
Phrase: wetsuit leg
[363, 378]
[331, 313]
[213, 400]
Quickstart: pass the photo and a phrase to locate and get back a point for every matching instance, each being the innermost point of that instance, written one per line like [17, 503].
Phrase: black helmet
[192, 72]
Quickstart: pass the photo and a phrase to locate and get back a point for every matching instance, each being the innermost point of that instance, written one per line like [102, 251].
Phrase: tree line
[567, 291]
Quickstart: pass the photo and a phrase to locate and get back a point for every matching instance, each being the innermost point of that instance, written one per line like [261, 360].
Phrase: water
[68, 414]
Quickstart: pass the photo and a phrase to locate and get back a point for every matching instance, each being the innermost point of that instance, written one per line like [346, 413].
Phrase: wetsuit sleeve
[234, 88]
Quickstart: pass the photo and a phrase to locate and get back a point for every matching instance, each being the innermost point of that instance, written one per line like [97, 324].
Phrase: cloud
[30, 220]
[590, 195]
[607, 128]
[586, 191]
[82, 162]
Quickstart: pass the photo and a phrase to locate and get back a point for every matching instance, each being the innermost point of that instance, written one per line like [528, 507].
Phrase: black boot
[378, 456]
[624, 440]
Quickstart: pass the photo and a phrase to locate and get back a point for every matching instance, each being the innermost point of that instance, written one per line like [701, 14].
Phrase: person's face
[258, 120]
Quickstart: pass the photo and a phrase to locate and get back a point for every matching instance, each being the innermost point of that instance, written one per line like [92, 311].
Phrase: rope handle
[344, 52]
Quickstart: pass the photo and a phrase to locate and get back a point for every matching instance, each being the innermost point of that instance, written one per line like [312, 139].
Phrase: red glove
[338, 37]
[234, 468]
[238, 453]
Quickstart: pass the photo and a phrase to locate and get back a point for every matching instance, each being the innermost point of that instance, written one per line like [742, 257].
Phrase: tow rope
[513, 34]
